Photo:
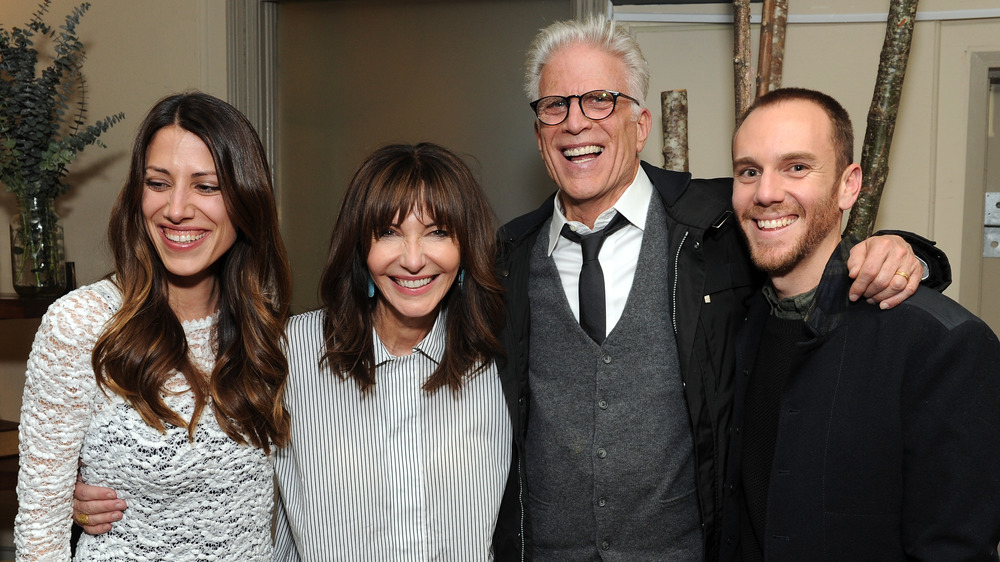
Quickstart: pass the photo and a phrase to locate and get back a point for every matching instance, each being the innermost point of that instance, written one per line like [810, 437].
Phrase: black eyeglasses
[595, 105]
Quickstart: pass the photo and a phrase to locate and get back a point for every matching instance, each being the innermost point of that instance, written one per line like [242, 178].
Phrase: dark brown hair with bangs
[390, 183]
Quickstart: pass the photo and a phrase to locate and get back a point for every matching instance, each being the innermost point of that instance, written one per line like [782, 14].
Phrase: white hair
[595, 31]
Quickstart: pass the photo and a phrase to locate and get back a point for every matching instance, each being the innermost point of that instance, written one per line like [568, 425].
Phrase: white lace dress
[206, 500]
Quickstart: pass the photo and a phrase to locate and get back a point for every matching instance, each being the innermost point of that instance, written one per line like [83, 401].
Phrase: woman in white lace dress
[164, 381]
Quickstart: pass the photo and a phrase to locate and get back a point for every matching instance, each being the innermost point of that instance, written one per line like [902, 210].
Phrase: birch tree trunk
[764, 52]
[675, 130]
[882, 116]
[742, 80]
[776, 66]
[774, 20]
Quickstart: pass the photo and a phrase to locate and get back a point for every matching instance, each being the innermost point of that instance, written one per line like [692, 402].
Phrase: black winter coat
[888, 436]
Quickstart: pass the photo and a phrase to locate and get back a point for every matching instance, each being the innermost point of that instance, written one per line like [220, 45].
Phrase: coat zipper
[673, 289]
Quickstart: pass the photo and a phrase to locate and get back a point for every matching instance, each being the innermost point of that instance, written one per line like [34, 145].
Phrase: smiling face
[413, 263]
[185, 214]
[592, 162]
[789, 193]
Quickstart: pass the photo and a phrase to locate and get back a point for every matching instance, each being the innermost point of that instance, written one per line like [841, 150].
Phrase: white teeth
[768, 224]
[183, 237]
[414, 283]
[582, 151]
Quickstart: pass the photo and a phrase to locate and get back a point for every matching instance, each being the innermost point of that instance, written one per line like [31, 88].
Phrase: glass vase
[37, 248]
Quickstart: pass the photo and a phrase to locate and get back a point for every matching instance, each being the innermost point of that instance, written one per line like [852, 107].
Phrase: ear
[643, 125]
[850, 186]
[538, 136]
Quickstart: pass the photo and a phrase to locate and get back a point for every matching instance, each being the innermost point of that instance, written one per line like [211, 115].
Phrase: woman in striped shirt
[401, 441]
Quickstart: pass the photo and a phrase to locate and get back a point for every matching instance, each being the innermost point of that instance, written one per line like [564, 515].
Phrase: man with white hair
[628, 356]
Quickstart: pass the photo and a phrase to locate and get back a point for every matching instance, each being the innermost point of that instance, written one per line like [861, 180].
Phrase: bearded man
[858, 433]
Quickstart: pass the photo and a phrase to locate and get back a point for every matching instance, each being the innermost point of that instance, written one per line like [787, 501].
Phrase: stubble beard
[777, 259]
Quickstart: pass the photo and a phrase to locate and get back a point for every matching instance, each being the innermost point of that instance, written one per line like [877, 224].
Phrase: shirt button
[605, 545]
[601, 453]
[697, 245]
[603, 404]
[602, 502]
[607, 358]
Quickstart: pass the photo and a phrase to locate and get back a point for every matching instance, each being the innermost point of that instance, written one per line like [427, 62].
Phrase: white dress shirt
[619, 255]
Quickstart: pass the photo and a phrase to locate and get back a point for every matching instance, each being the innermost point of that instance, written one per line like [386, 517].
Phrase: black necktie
[592, 303]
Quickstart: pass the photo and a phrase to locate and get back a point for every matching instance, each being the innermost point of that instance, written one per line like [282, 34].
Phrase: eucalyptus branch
[38, 136]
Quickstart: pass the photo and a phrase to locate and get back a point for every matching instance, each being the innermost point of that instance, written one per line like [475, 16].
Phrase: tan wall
[354, 75]
[373, 79]
[137, 51]
[926, 190]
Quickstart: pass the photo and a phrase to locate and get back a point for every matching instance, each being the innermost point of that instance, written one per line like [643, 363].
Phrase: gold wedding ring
[903, 273]
[83, 519]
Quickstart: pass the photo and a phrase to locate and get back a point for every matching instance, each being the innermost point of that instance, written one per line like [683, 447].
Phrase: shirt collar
[823, 307]
[633, 205]
[790, 308]
[432, 346]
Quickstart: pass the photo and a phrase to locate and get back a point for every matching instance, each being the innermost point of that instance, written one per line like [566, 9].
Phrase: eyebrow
[746, 160]
[798, 156]
[201, 174]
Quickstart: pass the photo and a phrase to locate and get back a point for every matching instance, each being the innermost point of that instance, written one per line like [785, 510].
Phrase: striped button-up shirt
[399, 474]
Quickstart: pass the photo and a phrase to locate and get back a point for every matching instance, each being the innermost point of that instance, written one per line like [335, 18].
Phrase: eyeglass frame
[579, 102]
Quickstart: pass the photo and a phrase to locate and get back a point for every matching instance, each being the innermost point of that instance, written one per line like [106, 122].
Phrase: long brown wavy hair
[390, 183]
[144, 343]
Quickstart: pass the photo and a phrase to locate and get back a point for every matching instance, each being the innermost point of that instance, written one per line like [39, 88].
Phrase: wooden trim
[252, 33]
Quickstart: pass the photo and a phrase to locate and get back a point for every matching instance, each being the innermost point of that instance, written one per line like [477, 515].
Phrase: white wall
[926, 189]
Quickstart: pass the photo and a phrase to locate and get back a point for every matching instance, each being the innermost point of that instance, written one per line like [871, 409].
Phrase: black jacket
[888, 435]
[711, 279]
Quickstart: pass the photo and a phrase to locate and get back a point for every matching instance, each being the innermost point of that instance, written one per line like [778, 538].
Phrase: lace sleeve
[56, 410]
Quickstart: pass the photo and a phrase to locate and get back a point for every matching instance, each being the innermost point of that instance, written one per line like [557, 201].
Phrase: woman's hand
[95, 508]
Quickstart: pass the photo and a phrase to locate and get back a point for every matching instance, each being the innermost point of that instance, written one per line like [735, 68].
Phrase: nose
[412, 258]
[576, 121]
[769, 190]
[178, 205]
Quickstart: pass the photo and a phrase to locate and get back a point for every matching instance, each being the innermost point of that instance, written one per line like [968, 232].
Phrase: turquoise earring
[461, 278]
[371, 287]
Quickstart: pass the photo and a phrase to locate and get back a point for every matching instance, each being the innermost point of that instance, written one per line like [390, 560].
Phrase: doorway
[989, 282]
